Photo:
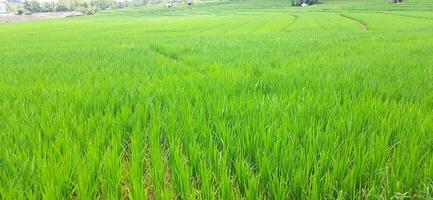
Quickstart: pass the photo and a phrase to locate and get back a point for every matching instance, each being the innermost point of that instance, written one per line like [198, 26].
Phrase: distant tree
[300, 2]
[32, 6]
[102, 4]
[62, 5]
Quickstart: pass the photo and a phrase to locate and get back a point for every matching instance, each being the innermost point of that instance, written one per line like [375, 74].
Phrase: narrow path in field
[361, 24]
[166, 54]
[323, 27]
[285, 28]
[171, 55]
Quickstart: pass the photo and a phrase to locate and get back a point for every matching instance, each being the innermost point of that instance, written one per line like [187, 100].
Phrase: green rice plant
[224, 100]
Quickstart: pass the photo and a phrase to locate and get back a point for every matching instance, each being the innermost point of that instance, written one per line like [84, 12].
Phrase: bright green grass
[222, 101]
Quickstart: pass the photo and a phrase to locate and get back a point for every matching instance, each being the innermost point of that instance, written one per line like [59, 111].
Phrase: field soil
[7, 18]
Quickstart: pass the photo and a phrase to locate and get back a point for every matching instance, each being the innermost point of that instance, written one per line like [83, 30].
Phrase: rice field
[224, 100]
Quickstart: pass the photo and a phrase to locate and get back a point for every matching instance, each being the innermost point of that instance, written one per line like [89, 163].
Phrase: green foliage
[15, 8]
[19, 11]
[87, 9]
[300, 2]
[102, 4]
[32, 6]
[229, 100]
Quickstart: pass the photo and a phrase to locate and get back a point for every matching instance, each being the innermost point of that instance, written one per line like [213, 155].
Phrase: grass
[226, 100]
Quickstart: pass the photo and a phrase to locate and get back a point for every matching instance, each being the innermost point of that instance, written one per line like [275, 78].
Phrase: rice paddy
[224, 100]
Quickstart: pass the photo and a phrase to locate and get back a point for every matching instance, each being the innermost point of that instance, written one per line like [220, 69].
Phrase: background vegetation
[92, 6]
[300, 2]
[86, 7]
[226, 100]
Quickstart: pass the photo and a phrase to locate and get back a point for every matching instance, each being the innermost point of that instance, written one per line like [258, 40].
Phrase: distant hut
[189, 2]
[3, 6]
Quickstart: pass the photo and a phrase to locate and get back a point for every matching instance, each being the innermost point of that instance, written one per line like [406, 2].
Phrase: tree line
[85, 6]
[90, 7]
